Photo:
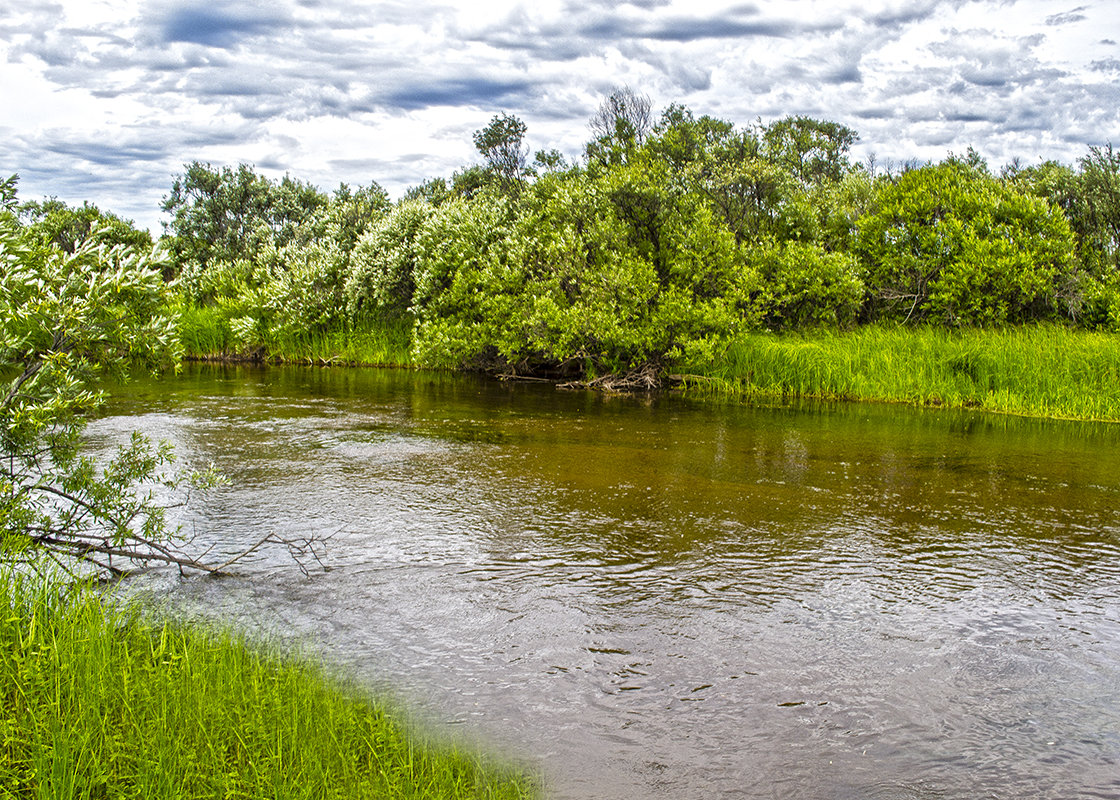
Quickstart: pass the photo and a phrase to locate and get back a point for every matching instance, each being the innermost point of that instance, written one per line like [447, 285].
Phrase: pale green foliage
[667, 240]
[599, 272]
[382, 273]
[461, 281]
[290, 287]
[65, 320]
[305, 290]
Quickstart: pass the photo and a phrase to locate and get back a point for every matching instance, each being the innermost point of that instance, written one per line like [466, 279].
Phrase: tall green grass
[204, 332]
[371, 342]
[1045, 370]
[207, 333]
[98, 702]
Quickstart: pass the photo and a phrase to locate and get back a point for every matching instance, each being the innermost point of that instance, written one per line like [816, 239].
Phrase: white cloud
[105, 99]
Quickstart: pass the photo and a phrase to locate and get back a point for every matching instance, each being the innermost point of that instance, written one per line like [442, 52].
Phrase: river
[656, 597]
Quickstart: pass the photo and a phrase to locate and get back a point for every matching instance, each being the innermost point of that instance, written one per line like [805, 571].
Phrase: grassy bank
[1045, 371]
[210, 333]
[1035, 370]
[96, 702]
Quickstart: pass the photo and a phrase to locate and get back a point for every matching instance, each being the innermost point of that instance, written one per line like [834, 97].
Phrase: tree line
[666, 238]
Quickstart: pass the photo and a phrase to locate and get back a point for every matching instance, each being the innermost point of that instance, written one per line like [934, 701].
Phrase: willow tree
[68, 319]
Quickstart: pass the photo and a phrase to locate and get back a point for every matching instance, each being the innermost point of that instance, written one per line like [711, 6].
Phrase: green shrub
[952, 245]
[599, 272]
[806, 287]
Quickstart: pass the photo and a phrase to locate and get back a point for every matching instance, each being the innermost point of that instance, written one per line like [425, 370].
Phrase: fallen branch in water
[645, 378]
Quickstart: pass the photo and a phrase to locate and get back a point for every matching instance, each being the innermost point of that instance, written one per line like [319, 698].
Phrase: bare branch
[18, 383]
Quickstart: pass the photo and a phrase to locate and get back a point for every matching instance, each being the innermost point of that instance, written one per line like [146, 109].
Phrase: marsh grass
[1045, 370]
[96, 701]
[207, 333]
[371, 343]
[204, 332]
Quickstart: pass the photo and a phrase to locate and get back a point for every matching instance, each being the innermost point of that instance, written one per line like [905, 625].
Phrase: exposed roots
[646, 378]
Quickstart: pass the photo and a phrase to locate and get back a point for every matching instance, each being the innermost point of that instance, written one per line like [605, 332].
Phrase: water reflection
[659, 598]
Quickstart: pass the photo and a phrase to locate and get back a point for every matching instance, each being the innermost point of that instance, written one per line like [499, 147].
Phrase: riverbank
[1042, 370]
[97, 701]
[1038, 370]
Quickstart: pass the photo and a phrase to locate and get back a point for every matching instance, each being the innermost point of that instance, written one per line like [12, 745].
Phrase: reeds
[370, 342]
[207, 334]
[1044, 370]
[98, 702]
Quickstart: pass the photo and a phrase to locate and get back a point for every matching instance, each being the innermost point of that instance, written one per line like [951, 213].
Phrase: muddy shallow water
[660, 598]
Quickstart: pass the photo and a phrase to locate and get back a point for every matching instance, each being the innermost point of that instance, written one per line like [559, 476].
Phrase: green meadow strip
[1043, 370]
[96, 701]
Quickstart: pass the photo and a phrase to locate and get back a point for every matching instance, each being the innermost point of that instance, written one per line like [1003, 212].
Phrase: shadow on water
[653, 597]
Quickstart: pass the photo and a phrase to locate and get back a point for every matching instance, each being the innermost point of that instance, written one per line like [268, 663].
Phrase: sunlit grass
[371, 342]
[98, 702]
[1045, 370]
[207, 333]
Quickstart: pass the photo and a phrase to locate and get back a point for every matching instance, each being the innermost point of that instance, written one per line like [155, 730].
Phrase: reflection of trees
[586, 478]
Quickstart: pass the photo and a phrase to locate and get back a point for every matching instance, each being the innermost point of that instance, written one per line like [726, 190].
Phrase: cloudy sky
[105, 100]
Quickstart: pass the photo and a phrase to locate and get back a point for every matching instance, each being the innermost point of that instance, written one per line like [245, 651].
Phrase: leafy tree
[351, 212]
[619, 125]
[757, 197]
[1090, 200]
[839, 206]
[812, 150]
[605, 270]
[470, 182]
[223, 214]
[1099, 220]
[502, 144]
[1056, 183]
[750, 193]
[302, 283]
[549, 161]
[683, 141]
[53, 222]
[461, 289]
[971, 161]
[433, 190]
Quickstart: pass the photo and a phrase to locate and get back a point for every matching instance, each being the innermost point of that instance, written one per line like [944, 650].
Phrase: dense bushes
[952, 245]
[805, 286]
[667, 242]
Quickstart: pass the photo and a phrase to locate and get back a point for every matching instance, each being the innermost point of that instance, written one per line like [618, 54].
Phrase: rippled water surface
[658, 598]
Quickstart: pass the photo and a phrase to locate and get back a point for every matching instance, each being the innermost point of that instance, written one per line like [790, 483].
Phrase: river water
[662, 598]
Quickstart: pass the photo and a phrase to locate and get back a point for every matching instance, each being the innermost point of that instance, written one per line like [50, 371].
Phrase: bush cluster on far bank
[666, 240]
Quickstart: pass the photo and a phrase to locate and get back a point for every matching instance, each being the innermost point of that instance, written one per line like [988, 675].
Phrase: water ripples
[659, 601]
